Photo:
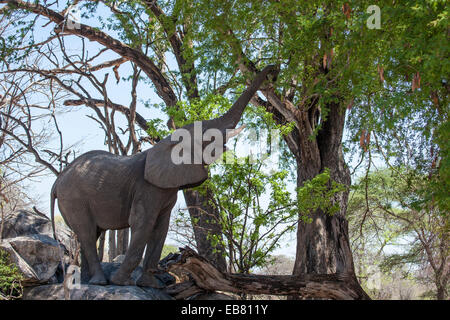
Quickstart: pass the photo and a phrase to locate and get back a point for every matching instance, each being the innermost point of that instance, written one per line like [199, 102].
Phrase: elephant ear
[162, 172]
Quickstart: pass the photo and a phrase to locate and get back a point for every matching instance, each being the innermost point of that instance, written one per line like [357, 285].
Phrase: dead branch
[205, 276]
[163, 88]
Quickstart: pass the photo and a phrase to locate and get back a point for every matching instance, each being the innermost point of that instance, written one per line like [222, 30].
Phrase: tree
[250, 196]
[330, 62]
[31, 80]
[23, 146]
[392, 210]
[402, 124]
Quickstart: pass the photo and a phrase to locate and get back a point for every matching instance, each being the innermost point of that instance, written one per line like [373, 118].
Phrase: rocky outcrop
[28, 238]
[91, 292]
[24, 223]
[37, 257]
[27, 222]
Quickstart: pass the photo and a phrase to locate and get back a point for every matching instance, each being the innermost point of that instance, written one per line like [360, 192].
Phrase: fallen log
[206, 277]
[183, 290]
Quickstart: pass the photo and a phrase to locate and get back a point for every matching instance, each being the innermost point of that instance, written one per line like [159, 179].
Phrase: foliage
[250, 224]
[317, 194]
[402, 119]
[388, 210]
[167, 249]
[209, 107]
[10, 278]
[252, 230]
[256, 209]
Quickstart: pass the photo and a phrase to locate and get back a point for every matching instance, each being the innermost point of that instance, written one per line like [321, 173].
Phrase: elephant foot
[121, 280]
[149, 280]
[98, 279]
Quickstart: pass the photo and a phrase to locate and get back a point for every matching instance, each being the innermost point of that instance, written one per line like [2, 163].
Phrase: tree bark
[204, 219]
[323, 245]
[122, 241]
[440, 293]
[208, 278]
[101, 246]
[112, 245]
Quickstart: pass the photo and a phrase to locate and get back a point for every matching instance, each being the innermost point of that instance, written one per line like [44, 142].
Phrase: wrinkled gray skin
[101, 191]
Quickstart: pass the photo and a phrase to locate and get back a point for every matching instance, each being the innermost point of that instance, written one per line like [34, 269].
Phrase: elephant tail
[52, 210]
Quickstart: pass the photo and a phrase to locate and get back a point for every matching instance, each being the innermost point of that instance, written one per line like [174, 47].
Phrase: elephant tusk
[234, 132]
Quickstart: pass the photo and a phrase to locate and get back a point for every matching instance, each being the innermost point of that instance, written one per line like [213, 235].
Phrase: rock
[109, 292]
[92, 292]
[166, 278]
[119, 258]
[37, 256]
[28, 238]
[25, 223]
[109, 268]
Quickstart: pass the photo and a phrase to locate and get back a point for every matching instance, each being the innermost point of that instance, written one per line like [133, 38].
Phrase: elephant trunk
[231, 118]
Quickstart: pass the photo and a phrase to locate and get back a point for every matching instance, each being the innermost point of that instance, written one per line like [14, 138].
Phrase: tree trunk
[122, 241]
[101, 246]
[112, 245]
[203, 219]
[440, 293]
[441, 286]
[323, 246]
[2, 223]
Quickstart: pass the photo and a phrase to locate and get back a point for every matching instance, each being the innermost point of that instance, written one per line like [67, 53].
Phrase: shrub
[10, 278]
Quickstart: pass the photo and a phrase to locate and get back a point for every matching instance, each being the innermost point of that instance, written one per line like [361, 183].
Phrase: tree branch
[163, 88]
[140, 120]
[207, 277]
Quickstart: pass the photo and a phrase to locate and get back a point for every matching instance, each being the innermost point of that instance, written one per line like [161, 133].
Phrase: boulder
[92, 292]
[28, 238]
[37, 256]
[26, 222]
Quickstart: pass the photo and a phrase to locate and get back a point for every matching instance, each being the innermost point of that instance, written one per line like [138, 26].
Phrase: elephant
[101, 191]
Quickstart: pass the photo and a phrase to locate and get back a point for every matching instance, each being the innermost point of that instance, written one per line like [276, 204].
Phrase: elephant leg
[132, 258]
[88, 247]
[85, 276]
[154, 249]
[85, 273]
[86, 232]
[141, 225]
